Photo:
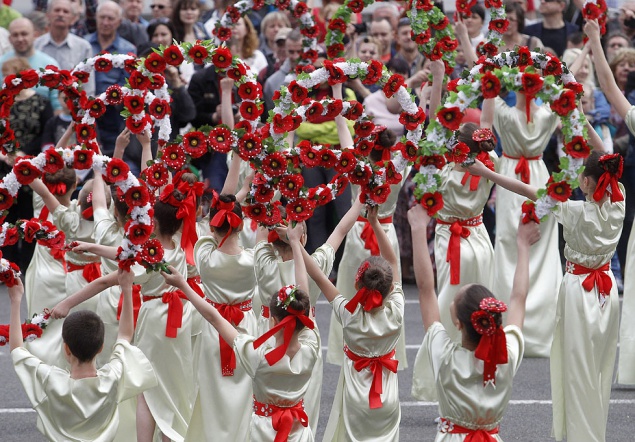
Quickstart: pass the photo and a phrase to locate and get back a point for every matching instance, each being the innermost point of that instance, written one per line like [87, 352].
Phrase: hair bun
[612, 163]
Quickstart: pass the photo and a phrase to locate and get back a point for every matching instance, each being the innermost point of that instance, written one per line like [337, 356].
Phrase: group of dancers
[226, 346]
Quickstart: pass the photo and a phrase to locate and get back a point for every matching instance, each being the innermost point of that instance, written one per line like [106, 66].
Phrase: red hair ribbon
[288, 324]
[492, 350]
[608, 181]
[225, 214]
[187, 212]
[368, 298]
[57, 188]
[376, 366]
[484, 158]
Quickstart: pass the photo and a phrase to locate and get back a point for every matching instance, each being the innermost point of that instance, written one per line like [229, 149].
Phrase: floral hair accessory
[608, 180]
[483, 134]
[492, 349]
[57, 188]
[225, 213]
[286, 295]
[360, 272]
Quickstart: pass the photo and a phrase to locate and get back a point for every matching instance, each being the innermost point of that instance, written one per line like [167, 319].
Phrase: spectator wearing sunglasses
[161, 9]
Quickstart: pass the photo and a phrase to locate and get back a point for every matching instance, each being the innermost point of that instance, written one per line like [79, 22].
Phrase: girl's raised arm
[346, 139]
[295, 236]
[511, 184]
[345, 225]
[88, 291]
[385, 248]
[323, 282]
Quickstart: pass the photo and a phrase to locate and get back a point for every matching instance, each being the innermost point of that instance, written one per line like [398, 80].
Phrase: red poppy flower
[281, 124]
[282, 4]
[450, 117]
[494, 3]
[116, 170]
[54, 161]
[380, 194]
[460, 153]
[138, 234]
[524, 57]
[408, 149]
[591, 11]
[360, 175]
[29, 78]
[412, 121]
[364, 129]
[139, 81]
[136, 126]
[391, 174]
[85, 133]
[250, 110]
[134, 104]
[575, 87]
[233, 13]
[346, 162]
[333, 109]
[300, 210]
[137, 196]
[198, 53]
[237, 72]
[464, 6]
[448, 44]
[321, 195]
[483, 322]
[309, 31]
[249, 146]
[314, 112]
[96, 108]
[373, 73]
[300, 9]
[577, 147]
[290, 185]
[274, 164]
[222, 33]
[355, 110]
[6, 201]
[256, 212]
[102, 64]
[553, 67]
[83, 159]
[309, 156]
[173, 155]
[433, 202]
[422, 38]
[220, 139]
[529, 212]
[159, 108]
[339, 182]
[130, 65]
[156, 175]
[81, 76]
[565, 103]
[30, 229]
[222, 58]
[532, 83]
[195, 144]
[263, 193]
[173, 56]
[309, 54]
[393, 84]
[249, 91]
[298, 93]
[11, 235]
[363, 146]
[490, 85]
[560, 191]
[29, 331]
[152, 252]
[356, 6]
[114, 94]
[155, 63]
[441, 24]
[437, 52]
[25, 172]
[499, 25]
[336, 75]
[337, 24]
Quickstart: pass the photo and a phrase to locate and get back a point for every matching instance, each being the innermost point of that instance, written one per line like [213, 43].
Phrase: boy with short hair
[82, 404]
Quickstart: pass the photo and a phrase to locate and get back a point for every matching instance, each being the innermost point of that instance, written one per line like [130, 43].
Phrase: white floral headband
[286, 295]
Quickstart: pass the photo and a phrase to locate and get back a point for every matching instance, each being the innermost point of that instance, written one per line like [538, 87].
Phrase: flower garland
[515, 71]
[498, 24]
[44, 232]
[426, 17]
[596, 10]
[336, 28]
[299, 9]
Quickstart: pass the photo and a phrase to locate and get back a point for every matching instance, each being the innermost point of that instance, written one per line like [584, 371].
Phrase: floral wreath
[516, 71]
[336, 27]
[497, 26]
[300, 10]
[286, 295]
[44, 232]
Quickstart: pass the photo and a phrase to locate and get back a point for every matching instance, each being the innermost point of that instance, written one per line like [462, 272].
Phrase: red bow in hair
[57, 188]
[608, 181]
[492, 349]
[288, 324]
[187, 212]
[225, 214]
[368, 298]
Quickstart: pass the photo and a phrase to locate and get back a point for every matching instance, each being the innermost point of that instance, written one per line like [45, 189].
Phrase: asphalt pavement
[528, 417]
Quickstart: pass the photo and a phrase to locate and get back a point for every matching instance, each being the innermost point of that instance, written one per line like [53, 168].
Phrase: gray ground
[528, 417]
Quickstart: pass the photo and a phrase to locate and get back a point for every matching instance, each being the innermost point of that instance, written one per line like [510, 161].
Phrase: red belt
[597, 277]
[136, 303]
[458, 229]
[522, 168]
[282, 418]
[368, 234]
[175, 310]
[233, 313]
[194, 283]
[376, 365]
[90, 271]
[479, 435]
[266, 313]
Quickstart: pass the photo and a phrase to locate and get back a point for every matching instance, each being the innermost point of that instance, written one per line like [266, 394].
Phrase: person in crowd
[271, 24]
[40, 22]
[408, 48]
[614, 42]
[186, 18]
[382, 31]
[244, 44]
[276, 58]
[161, 9]
[553, 30]
[293, 47]
[84, 12]
[7, 15]
[474, 23]
[132, 10]
[514, 36]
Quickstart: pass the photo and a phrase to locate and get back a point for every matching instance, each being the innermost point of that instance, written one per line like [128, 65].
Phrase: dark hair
[225, 198]
[478, 10]
[386, 139]
[83, 332]
[593, 168]
[152, 27]
[469, 303]
[399, 66]
[65, 175]
[465, 136]
[121, 206]
[301, 303]
[575, 38]
[520, 15]
[165, 213]
[378, 276]
[176, 18]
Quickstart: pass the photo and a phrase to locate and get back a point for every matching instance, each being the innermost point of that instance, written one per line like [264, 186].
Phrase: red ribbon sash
[368, 234]
[376, 366]
[175, 311]
[233, 313]
[596, 277]
[478, 435]
[194, 282]
[282, 418]
[288, 326]
[136, 303]
[522, 168]
[458, 230]
[90, 272]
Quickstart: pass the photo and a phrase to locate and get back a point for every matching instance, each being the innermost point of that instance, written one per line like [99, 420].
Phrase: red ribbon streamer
[369, 299]
[376, 366]
[90, 272]
[288, 324]
[607, 179]
[596, 277]
[136, 303]
[368, 234]
[522, 168]
[175, 311]
[457, 231]
[233, 313]
[492, 350]
[194, 282]
[282, 418]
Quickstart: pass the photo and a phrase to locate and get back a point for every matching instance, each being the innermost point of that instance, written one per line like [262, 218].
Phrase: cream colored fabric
[83, 409]
[283, 384]
[477, 261]
[463, 399]
[353, 256]
[585, 338]
[223, 403]
[520, 138]
[368, 334]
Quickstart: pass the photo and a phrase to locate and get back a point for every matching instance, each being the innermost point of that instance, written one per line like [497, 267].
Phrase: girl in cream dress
[523, 143]
[473, 394]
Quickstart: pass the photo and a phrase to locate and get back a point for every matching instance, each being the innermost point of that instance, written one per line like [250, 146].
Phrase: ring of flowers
[516, 71]
[498, 24]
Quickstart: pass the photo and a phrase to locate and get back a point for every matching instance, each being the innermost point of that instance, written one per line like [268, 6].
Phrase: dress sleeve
[132, 368]
[66, 220]
[568, 212]
[341, 314]
[394, 304]
[203, 248]
[106, 229]
[33, 374]
[264, 260]
[436, 343]
[324, 256]
[515, 346]
[630, 120]
[247, 356]
[311, 339]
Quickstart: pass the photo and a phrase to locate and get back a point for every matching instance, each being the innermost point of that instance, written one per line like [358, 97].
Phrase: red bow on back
[187, 212]
[492, 350]
[608, 179]
[368, 298]
[225, 213]
[288, 324]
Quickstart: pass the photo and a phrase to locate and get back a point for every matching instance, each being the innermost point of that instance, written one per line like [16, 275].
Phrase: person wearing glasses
[553, 30]
[161, 9]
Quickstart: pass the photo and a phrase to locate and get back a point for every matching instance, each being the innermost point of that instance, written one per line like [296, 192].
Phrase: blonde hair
[19, 63]
[251, 41]
[624, 54]
[569, 57]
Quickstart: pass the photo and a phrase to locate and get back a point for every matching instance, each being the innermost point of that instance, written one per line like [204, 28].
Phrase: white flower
[12, 184]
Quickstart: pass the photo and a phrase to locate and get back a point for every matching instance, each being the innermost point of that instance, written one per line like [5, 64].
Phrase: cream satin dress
[83, 409]
[223, 404]
[520, 138]
[626, 362]
[272, 274]
[585, 338]
[171, 401]
[284, 384]
[371, 334]
[463, 399]
[477, 258]
[44, 267]
[353, 256]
